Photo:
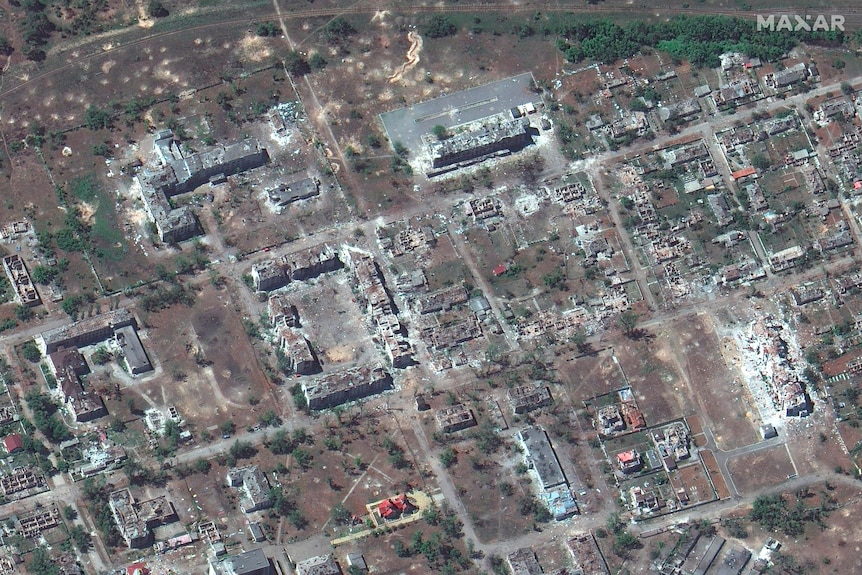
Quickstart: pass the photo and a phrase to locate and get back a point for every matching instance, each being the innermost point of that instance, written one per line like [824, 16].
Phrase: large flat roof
[407, 125]
[545, 461]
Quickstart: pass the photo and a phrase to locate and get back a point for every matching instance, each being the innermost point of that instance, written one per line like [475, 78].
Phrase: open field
[649, 367]
[720, 394]
[773, 466]
[208, 350]
[589, 375]
[718, 481]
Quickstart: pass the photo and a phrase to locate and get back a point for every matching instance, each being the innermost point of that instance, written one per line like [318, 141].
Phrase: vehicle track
[851, 14]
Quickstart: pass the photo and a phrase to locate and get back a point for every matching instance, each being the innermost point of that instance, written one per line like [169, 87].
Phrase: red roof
[386, 509]
[500, 270]
[743, 173]
[401, 502]
[626, 456]
[13, 443]
[140, 568]
[857, 185]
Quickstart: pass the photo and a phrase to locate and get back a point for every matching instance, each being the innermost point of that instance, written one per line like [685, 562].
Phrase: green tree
[296, 64]
[302, 457]
[101, 356]
[30, 351]
[41, 563]
[761, 162]
[44, 274]
[440, 132]
[440, 26]
[317, 62]
[156, 9]
[96, 119]
[81, 538]
[340, 514]
[628, 322]
[23, 312]
[448, 457]
[227, 427]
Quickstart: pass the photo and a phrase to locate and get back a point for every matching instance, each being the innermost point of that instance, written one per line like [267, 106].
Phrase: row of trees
[698, 39]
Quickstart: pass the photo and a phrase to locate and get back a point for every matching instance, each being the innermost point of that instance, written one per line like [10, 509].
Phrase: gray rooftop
[541, 454]
[133, 351]
[253, 562]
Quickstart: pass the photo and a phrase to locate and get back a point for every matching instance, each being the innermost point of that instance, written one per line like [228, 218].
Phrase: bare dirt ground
[718, 480]
[482, 485]
[814, 444]
[649, 365]
[772, 466]
[588, 376]
[332, 321]
[719, 391]
[211, 332]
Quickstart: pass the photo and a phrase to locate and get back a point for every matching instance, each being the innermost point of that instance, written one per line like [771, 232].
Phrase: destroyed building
[494, 134]
[19, 278]
[275, 273]
[282, 312]
[253, 486]
[320, 565]
[454, 418]
[587, 559]
[68, 366]
[86, 331]
[136, 519]
[679, 110]
[523, 562]
[540, 456]
[526, 398]
[285, 194]
[788, 76]
[182, 173]
[22, 482]
[373, 294]
[442, 300]
[297, 352]
[344, 386]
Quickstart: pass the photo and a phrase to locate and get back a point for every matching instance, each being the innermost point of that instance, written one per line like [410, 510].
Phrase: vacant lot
[718, 390]
[718, 480]
[209, 368]
[590, 375]
[773, 465]
[649, 365]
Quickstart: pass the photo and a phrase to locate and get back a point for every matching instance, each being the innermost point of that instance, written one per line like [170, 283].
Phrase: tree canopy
[698, 39]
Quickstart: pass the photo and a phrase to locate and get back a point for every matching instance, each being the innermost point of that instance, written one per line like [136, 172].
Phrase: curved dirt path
[412, 57]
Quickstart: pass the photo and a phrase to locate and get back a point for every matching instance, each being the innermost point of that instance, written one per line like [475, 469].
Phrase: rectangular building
[454, 418]
[347, 385]
[19, 277]
[86, 331]
[540, 456]
[134, 354]
[526, 398]
[253, 562]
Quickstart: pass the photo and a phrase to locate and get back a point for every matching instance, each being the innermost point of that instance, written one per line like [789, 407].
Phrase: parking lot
[407, 125]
